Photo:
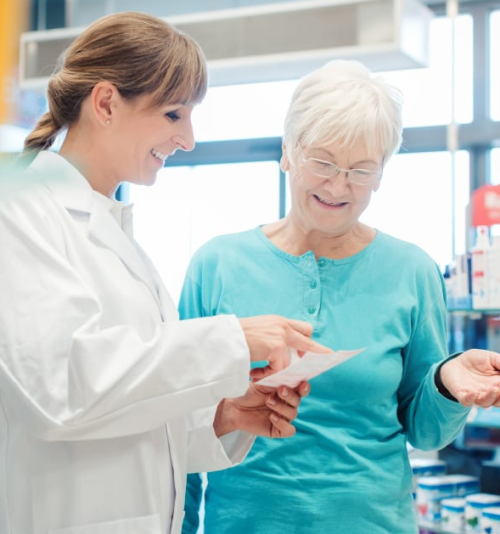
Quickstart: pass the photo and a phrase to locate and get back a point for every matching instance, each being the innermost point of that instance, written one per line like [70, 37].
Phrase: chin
[146, 180]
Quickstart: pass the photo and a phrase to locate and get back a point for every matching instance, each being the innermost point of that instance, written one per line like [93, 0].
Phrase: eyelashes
[173, 116]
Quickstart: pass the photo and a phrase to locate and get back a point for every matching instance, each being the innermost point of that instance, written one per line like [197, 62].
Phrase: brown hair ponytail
[43, 134]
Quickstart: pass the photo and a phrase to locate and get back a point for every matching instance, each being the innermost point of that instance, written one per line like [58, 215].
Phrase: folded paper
[308, 366]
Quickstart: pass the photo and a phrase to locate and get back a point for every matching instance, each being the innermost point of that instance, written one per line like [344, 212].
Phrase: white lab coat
[97, 375]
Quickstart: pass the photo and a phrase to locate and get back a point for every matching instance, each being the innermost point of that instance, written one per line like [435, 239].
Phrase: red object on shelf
[486, 205]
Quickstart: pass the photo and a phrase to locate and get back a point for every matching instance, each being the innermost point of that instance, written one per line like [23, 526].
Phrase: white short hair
[344, 102]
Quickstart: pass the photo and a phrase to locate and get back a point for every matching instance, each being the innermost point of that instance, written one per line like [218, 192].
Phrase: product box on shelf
[475, 505]
[432, 490]
[453, 515]
[494, 273]
[426, 467]
[491, 520]
[479, 265]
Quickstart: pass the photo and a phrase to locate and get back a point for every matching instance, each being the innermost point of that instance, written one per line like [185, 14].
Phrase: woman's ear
[284, 161]
[103, 100]
[376, 185]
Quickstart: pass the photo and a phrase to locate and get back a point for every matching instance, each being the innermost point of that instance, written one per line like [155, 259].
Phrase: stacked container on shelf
[475, 506]
[432, 490]
[452, 503]
[473, 279]
[479, 266]
[485, 266]
[494, 272]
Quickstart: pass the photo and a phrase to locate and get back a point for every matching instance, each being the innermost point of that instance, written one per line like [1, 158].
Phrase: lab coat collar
[64, 180]
[74, 192]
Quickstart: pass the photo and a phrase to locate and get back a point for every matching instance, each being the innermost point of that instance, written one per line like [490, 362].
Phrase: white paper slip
[308, 366]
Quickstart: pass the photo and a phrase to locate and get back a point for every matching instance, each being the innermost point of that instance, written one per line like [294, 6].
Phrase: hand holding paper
[306, 367]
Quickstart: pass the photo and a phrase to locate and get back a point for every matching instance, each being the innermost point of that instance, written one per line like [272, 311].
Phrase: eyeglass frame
[373, 175]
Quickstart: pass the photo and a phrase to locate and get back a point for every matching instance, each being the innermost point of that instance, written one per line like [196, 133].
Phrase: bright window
[427, 91]
[415, 202]
[495, 166]
[495, 65]
[243, 111]
[189, 205]
[258, 110]
[495, 180]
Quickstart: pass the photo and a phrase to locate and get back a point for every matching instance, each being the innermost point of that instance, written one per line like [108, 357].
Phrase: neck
[85, 154]
[289, 237]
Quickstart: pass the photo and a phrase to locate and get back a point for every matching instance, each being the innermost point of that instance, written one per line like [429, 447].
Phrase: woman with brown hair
[98, 378]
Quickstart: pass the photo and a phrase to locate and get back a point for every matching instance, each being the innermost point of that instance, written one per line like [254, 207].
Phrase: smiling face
[330, 206]
[144, 136]
[117, 140]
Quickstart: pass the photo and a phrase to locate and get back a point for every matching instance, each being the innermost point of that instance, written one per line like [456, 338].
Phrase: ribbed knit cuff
[439, 383]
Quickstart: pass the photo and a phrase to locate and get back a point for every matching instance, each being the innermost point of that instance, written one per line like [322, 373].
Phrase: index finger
[300, 338]
[302, 342]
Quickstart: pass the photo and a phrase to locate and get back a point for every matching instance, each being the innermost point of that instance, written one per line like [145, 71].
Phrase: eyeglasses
[327, 169]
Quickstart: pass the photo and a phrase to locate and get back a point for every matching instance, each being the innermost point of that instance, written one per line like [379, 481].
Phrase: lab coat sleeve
[227, 450]
[69, 377]
[191, 305]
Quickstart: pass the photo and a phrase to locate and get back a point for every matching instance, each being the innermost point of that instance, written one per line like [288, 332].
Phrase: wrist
[438, 382]
[223, 421]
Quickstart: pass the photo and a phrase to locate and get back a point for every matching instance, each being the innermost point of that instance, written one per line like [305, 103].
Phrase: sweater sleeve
[431, 421]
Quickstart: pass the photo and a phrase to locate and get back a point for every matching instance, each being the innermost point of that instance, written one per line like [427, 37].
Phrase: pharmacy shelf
[432, 529]
[486, 311]
[469, 310]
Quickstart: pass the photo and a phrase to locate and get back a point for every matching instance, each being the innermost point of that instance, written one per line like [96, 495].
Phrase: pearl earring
[108, 122]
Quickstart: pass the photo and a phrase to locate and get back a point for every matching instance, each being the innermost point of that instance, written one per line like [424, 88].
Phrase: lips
[328, 202]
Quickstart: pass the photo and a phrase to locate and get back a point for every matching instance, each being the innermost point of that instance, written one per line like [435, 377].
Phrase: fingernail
[271, 400]
[275, 418]
[284, 393]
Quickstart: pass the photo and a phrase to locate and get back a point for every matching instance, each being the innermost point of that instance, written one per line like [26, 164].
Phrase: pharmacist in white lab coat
[98, 378]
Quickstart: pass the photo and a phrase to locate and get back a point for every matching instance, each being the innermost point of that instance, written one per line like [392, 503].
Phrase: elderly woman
[98, 378]
[347, 470]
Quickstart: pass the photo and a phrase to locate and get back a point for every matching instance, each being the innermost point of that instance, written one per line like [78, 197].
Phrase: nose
[184, 140]
[337, 183]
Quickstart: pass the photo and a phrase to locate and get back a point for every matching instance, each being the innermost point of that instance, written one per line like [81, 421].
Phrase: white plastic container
[491, 520]
[494, 273]
[426, 467]
[475, 504]
[432, 490]
[453, 515]
[479, 267]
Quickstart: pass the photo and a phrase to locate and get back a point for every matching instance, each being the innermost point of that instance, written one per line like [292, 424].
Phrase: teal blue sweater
[346, 471]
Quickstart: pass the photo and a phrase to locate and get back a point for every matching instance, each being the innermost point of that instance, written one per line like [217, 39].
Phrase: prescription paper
[308, 366]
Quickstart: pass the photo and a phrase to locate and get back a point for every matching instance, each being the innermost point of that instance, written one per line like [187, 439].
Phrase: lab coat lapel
[74, 192]
[167, 305]
[104, 229]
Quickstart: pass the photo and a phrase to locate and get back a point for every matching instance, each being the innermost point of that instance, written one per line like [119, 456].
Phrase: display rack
[432, 529]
